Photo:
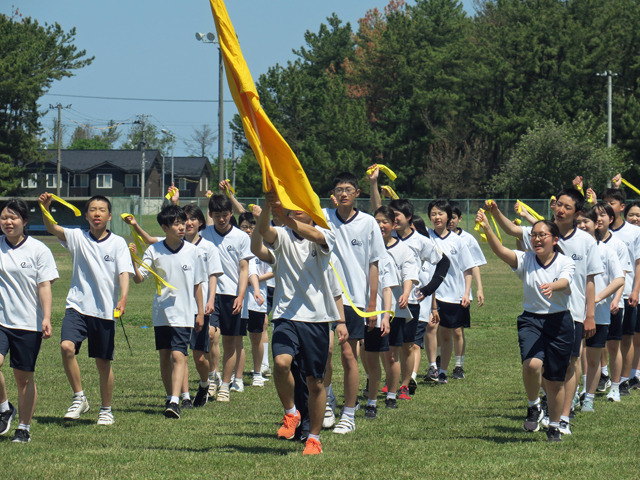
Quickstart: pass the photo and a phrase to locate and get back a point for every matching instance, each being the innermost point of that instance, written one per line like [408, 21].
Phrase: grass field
[471, 428]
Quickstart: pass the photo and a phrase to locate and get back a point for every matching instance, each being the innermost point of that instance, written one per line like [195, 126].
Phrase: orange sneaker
[312, 447]
[289, 425]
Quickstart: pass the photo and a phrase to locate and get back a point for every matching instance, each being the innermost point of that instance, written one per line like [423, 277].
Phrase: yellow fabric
[359, 312]
[479, 227]
[159, 280]
[139, 241]
[630, 186]
[518, 222]
[531, 211]
[251, 205]
[552, 199]
[171, 193]
[384, 169]
[47, 214]
[579, 188]
[116, 313]
[281, 170]
[230, 187]
[390, 191]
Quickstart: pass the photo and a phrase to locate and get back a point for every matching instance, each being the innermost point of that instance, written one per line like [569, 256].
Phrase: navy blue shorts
[101, 333]
[615, 327]
[466, 315]
[409, 334]
[421, 331]
[175, 339]
[374, 341]
[355, 323]
[548, 337]
[22, 345]
[599, 340]
[200, 340]
[396, 334]
[452, 315]
[306, 342]
[578, 329]
[255, 323]
[270, 291]
[630, 318]
[231, 325]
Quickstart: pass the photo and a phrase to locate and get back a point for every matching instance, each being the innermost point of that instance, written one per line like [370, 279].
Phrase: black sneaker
[202, 397]
[301, 435]
[604, 383]
[21, 436]
[438, 362]
[532, 422]
[544, 405]
[5, 419]
[370, 411]
[634, 383]
[624, 389]
[582, 397]
[572, 413]
[412, 386]
[186, 404]
[172, 411]
[432, 375]
[458, 373]
[442, 378]
[554, 435]
[391, 403]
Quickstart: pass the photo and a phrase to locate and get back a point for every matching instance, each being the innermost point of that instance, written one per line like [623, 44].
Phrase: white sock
[535, 402]
[291, 411]
[434, 365]
[439, 352]
[604, 370]
[23, 426]
[391, 395]
[174, 400]
[554, 424]
[79, 394]
[185, 396]
[225, 386]
[414, 375]
[459, 360]
[615, 385]
[265, 355]
[105, 409]
[204, 384]
[589, 396]
[4, 406]
[623, 379]
[442, 371]
[634, 373]
[584, 382]
[315, 437]
[565, 418]
[372, 402]
[350, 412]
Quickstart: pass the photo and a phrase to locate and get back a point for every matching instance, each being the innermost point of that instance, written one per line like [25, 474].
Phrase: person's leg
[238, 367]
[458, 343]
[532, 377]
[407, 359]
[214, 349]
[185, 383]
[393, 372]
[178, 362]
[329, 367]
[635, 364]
[27, 395]
[351, 374]
[555, 399]
[375, 374]
[106, 381]
[166, 370]
[592, 356]
[228, 357]
[71, 368]
[431, 342]
[317, 401]
[615, 360]
[447, 348]
[257, 350]
[265, 345]
[202, 366]
[570, 386]
[417, 356]
[283, 380]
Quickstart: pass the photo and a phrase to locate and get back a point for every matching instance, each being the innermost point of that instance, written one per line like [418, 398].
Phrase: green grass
[470, 428]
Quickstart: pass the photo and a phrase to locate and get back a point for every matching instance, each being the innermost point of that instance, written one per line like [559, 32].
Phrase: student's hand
[343, 333]
[385, 325]
[256, 210]
[122, 306]
[375, 173]
[617, 181]
[175, 194]
[482, 218]
[465, 301]
[199, 322]
[129, 220]
[591, 196]
[258, 298]
[480, 295]
[546, 290]
[419, 296]
[434, 318]
[371, 323]
[491, 207]
[208, 194]
[209, 308]
[225, 187]
[614, 308]
[577, 182]
[237, 305]
[589, 327]
[46, 328]
[133, 249]
[334, 200]
[403, 301]
[633, 299]
[45, 199]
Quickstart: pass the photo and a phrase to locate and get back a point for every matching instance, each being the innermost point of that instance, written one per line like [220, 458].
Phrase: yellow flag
[281, 170]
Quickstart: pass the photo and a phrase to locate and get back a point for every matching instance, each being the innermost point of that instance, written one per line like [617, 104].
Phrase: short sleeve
[147, 259]
[410, 269]
[614, 265]
[71, 234]
[466, 260]
[200, 274]
[378, 248]
[623, 257]
[567, 272]
[123, 258]
[526, 239]
[594, 261]
[475, 251]
[253, 270]
[213, 262]
[329, 237]
[245, 248]
[47, 270]
[636, 248]
[430, 252]
[520, 269]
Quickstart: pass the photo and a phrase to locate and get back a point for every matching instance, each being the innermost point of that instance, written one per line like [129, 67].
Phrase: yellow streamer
[630, 186]
[251, 205]
[159, 280]
[359, 312]
[531, 211]
[229, 187]
[384, 169]
[390, 191]
[116, 313]
[139, 241]
[518, 222]
[171, 193]
[552, 199]
[47, 214]
[478, 226]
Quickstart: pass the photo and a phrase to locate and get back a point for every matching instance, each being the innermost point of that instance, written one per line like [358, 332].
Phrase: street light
[173, 144]
[211, 38]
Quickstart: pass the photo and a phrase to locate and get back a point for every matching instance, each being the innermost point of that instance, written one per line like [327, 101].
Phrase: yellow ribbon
[251, 205]
[531, 211]
[230, 187]
[479, 227]
[359, 312]
[518, 222]
[159, 280]
[390, 191]
[116, 313]
[171, 193]
[384, 169]
[630, 186]
[139, 241]
[579, 188]
[552, 199]
[47, 214]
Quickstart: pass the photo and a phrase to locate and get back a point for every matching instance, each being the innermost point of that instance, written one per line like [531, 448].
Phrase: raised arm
[265, 229]
[504, 223]
[148, 239]
[57, 230]
[376, 200]
[225, 187]
[308, 232]
[503, 253]
[257, 246]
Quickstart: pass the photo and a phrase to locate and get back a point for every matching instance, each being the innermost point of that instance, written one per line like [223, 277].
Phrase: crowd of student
[384, 283]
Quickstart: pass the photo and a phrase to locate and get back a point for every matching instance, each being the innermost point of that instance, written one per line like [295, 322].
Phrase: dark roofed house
[192, 175]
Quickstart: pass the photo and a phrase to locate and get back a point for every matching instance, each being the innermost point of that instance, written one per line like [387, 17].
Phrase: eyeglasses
[247, 227]
[541, 236]
[348, 191]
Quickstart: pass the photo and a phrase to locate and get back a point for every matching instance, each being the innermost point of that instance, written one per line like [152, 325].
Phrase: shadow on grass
[63, 422]
[280, 451]
[509, 435]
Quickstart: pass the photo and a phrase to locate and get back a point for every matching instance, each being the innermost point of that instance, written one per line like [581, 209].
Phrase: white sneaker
[79, 406]
[258, 381]
[223, 395]
[613, 395]
[329, 417]
[218, 379]
[345, 425]
[233, 378]
[105, 417]
[565, 428]
[237, 386]
[265, 370]
[213, 388]
[545, 422]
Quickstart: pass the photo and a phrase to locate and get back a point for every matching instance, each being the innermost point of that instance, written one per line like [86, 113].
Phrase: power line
[138, 99]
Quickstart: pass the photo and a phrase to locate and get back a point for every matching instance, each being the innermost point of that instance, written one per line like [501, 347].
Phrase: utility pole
[142, 144]
[58, 168]
[609, 74]
[233, 160]
[220, 113]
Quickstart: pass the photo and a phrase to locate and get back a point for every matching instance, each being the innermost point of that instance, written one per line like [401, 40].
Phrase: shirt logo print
[109, 258]
[355, 242]
[575, 256]
[186, 268]
[26, 265]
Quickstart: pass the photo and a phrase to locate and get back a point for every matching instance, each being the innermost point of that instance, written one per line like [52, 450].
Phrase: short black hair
[195, 211]
[420, 226]
[403, 206]
[627, 207]
[169, 214]
[455, 209]
[615, 194]
[20, 207]
[100, 198]
[592, 214]
[387, 212]
[345, 177]
[574, 195]
[246, 217]
[601, 206]
[441, 204]
[220, 203]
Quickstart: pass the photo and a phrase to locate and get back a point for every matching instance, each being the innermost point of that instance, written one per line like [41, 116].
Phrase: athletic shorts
[577, 339]
[374, 341]
[599, 340]
[466, 315]
[396, 334]
[451, 314]
[230, 324]
[409, 334]
[615, 327]
[255, 322]
[548, 337]
[421, 331]
[23, 347]
[306, 342]
[270, 291]
[630, 318]
[200, 340]
[101, 333]
[175, 339]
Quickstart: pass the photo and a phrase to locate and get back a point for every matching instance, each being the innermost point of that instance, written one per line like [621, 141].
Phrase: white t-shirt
[359, 243]
[304, 291]
[97, 264]
[212, 265]
[407, 266]
[475, 251]
[630, 236]
[612, 270]
[533, 274]
[451, 290]
[425, 276]
[424, 250]
[387, 277]
[259, 268]
[183, 269]
[22, 268]
[626, 264]
[233, 246]
[582, 249]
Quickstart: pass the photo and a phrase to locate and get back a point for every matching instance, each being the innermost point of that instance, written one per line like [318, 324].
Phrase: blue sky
[147, 49]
